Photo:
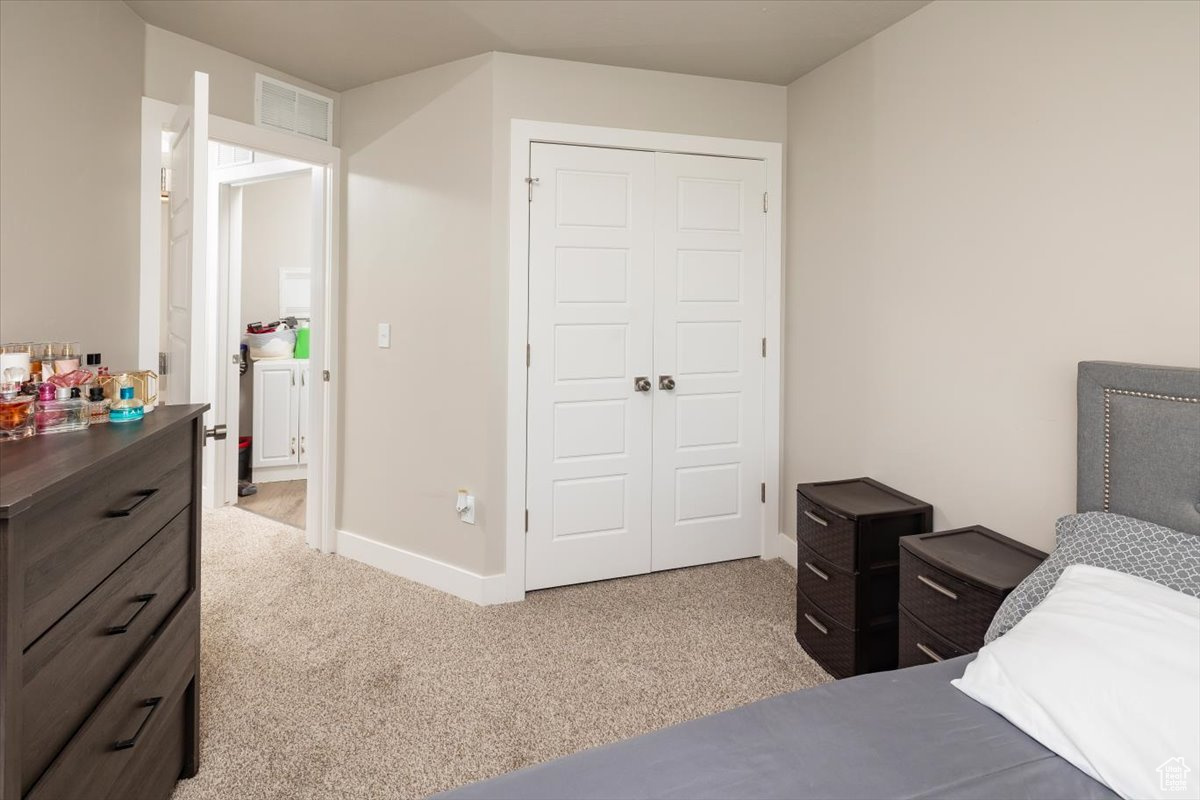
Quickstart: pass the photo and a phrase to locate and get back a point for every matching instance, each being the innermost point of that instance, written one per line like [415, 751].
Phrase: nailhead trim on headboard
[1108, 393]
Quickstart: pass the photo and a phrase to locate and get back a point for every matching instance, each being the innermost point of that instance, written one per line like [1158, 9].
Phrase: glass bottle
[60, 409]
[128, 408]
[98, 404]
[16, 413]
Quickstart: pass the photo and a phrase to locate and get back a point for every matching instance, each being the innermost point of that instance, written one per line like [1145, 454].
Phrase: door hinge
[764, 347]
[763, 493]
[528, 354]
[527, 520]
[325, 375]
[162, 364]
[764, 202]
[529, 182]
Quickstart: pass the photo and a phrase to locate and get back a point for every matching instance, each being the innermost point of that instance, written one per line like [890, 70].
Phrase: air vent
[284, 107]
[229, 155]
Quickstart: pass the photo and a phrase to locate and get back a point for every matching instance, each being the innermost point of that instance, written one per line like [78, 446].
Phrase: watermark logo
[1173, 775]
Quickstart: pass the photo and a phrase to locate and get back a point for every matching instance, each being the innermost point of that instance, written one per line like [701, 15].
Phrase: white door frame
[323, 403]
[523, 134]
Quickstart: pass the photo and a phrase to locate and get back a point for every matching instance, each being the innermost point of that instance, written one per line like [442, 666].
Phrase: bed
[909, 733]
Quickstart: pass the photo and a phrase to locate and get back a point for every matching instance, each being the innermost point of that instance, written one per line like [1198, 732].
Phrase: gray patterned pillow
[1113, 542]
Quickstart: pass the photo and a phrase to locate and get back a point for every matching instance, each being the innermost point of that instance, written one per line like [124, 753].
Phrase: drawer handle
[927, 651]
[144, 599]
[937, 587]
[812, 621]
[142, 496]
[816, 571]
[815, 518]
[124, 744]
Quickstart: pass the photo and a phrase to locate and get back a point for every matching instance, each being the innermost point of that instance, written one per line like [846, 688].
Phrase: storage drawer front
[68, 670]
[830, 536]
[67, 548]
[833, 590]
[919, 645]
[153, 774]
[92, 763]
[830, 644]
[958, 611]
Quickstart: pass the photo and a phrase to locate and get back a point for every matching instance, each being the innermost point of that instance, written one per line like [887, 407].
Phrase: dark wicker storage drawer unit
[951, 585]
[100, 622]
[847, 535]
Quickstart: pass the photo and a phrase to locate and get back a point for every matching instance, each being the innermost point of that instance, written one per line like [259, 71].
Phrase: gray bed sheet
[901, 734]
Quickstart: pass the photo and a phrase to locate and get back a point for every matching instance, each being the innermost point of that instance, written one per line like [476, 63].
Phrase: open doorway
[210, 361]
[266, 233]
[264, 266]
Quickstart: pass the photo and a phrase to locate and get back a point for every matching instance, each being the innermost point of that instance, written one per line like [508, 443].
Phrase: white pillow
[1105, 672]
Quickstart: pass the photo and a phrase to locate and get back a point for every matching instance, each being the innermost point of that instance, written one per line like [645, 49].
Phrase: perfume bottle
[128, 408]
[60, 409]
[16, 413]
[98, 404]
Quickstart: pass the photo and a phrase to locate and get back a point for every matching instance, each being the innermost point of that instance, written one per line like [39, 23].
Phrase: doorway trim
[523, 134]
[321, 512]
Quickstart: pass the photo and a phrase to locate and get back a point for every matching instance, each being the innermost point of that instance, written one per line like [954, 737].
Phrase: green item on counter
[301, 343]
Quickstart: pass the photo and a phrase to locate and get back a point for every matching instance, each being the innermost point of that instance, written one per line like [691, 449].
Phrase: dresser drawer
[68, 670]
[831, 645]
[135, 724]
[832, 537]
[919, 645]
[833, 590]
[956, 610]
[69, 547]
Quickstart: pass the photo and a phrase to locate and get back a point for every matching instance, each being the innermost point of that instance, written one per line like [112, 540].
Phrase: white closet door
[590, 332]
[710, 239]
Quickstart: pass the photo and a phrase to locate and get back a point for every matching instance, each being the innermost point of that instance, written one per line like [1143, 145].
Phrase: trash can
[244, 458]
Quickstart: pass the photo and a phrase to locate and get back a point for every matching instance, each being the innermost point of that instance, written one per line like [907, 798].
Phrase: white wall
[981, 196]
[70, 123]
[426, 249]
[417, 153]
[170, 60]
[276, 235]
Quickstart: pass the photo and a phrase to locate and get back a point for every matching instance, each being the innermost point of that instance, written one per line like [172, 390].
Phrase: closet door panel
[710, 237]
[590, 334]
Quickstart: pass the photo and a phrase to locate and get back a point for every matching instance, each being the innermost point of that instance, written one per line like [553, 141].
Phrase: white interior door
[710, 240]
[275, 411]
[187, 232]
[590, 335]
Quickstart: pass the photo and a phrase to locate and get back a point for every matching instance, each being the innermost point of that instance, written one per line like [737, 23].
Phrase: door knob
[641, 384]
[217, 432]
[666, 382]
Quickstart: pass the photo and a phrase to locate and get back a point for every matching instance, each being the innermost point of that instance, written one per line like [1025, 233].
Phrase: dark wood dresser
[847, 535]
[951, 585]
[100, 625]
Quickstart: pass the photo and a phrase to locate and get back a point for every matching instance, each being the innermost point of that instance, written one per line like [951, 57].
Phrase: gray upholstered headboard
[1139, 442]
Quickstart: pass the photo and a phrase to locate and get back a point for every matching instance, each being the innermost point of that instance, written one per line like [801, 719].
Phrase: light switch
[385, 334]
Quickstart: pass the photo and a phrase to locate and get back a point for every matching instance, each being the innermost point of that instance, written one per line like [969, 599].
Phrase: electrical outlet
[385, 334]
[465, 506]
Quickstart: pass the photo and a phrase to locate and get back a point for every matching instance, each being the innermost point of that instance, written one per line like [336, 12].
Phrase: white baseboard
[785, 547]
[483, 590]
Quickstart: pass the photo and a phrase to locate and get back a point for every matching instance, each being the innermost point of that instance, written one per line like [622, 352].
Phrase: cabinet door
[302, 413]
[275, 411]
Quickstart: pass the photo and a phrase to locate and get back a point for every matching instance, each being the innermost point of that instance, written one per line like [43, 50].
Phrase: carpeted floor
[325, 678]
[282, 501]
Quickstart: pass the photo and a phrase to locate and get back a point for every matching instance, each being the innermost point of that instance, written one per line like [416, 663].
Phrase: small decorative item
[126, 409]
[16, 361]
[16, 413]
[98, 404]
[61, 409]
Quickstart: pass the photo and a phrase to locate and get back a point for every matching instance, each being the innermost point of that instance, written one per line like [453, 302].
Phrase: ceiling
[341, 44]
